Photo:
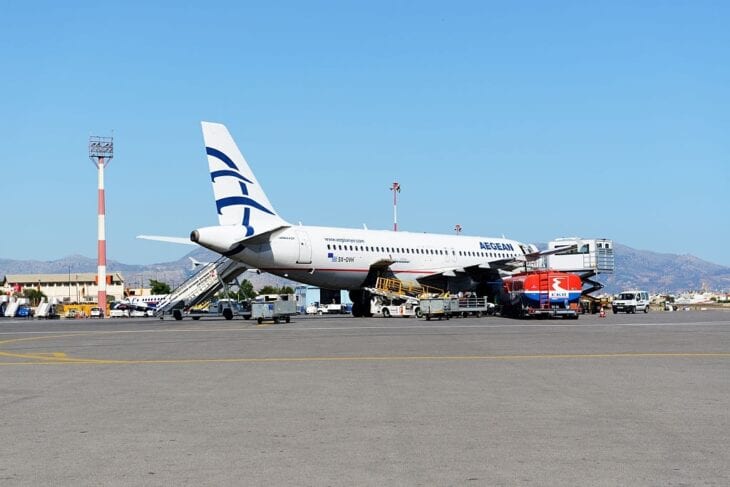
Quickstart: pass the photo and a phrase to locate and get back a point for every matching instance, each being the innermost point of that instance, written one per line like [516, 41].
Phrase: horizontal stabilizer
[160, 238]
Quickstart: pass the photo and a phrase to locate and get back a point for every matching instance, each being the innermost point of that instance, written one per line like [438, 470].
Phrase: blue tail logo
[243, 199]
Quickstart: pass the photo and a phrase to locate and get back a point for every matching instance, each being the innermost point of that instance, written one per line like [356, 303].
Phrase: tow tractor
[223, 308]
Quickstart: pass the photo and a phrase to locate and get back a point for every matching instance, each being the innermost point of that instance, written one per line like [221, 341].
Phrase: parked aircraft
[251, 231]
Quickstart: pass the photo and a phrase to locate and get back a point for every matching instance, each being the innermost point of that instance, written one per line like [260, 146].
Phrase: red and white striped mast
[395, 189]
[101, 152]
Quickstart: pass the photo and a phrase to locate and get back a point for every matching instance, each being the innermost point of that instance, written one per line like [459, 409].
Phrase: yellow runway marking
[60, 358]
[44, 359]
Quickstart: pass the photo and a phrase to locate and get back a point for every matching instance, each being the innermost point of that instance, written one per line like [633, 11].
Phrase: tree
[34, 295]
[269, 290]
[158, 287]
[246, 291]
[276, 290]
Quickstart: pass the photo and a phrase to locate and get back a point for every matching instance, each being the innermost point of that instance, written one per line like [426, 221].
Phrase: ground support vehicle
[631, 302]
[326, 309]
[436, 307]
[543, 293]
[386, 307]
[473, 306]
[119, 313]
[275, 307]
[223, 308]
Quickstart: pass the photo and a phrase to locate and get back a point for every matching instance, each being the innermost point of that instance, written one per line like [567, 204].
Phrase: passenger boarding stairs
[12, 309]
[201, 286]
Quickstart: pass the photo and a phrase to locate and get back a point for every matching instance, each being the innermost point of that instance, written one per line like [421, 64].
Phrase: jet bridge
[200, 287]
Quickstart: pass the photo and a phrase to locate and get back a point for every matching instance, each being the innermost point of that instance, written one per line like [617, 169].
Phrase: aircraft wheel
[228, 313]
[418, 313]
[386, 313]
[177, 314]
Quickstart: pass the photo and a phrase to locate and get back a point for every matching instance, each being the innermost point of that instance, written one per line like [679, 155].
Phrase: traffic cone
[602, 313]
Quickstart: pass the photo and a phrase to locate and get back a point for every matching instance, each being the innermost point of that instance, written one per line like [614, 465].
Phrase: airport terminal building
[66, 288]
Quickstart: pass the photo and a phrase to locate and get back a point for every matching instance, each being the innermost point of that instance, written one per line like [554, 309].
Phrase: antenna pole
[395, 189]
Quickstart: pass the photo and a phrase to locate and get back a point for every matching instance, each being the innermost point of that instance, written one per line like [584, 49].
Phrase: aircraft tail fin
[239, 198]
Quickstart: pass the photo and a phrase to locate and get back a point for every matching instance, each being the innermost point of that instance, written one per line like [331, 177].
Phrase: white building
[76, 287]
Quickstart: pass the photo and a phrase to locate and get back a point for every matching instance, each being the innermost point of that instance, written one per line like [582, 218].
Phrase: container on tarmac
[436, 307]
[545, 293]
[274, 307]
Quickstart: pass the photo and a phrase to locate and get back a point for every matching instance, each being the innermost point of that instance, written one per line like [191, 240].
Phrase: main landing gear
[360, 304]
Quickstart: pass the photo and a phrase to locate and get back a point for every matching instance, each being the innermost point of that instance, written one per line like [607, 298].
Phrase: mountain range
[642, 269]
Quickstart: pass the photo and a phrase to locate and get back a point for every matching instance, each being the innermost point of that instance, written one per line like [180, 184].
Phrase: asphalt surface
[622, 400]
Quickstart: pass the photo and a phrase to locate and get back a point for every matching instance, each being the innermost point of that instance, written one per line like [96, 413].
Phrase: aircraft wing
[561, 250]
[491, 270]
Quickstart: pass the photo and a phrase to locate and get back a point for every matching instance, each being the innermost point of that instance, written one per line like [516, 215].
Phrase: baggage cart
[435, 307]
[274, 307]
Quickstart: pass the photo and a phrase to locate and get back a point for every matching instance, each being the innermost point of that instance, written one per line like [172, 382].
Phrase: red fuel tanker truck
[545, 293]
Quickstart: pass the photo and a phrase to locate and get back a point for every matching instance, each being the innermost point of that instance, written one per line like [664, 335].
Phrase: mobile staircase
[12, 309]
[200, 287]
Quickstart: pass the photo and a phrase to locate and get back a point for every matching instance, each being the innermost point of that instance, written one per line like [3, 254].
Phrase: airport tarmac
[623, 400]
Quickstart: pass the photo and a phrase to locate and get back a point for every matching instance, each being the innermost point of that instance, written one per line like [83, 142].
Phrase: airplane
[143, 303]
[251, 231]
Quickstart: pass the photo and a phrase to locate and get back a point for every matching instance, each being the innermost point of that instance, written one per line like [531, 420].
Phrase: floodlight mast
[101, 152]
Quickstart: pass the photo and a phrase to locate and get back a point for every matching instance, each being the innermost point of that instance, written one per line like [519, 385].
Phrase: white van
[631, 302]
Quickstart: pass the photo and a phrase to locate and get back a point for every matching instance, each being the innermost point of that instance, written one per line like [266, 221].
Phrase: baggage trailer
[274, 307]
[473, 306]
[436, 307]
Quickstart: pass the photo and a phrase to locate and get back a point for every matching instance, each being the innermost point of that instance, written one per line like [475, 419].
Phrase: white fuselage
[341, 258]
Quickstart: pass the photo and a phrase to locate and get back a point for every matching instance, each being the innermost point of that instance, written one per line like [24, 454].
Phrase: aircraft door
[305, 248]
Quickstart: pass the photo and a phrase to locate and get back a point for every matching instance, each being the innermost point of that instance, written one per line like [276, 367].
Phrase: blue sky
[532, 120]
